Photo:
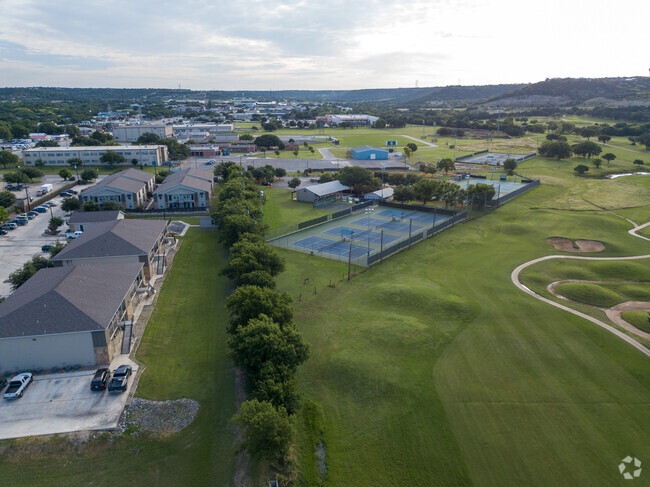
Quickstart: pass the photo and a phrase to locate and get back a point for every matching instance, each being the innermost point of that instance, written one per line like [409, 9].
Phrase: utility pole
[261, 205]
[350, 259]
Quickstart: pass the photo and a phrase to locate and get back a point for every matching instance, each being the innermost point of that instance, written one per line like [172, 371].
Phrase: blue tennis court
[361, 235]
[391, 226]
[416, 216]
[318, 244]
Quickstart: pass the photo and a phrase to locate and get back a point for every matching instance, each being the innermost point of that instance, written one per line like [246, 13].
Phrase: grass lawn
[288, 154]
[184, 352]
[432, 369]
[640, 319]
[281, 210]
[603, 295]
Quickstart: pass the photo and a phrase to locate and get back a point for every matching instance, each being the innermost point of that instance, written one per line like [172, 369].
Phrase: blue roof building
[366, 152]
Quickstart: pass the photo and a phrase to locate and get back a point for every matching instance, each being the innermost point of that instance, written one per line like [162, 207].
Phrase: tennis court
[363, 234]
[339, 248]
[501, 187]
[493, 158]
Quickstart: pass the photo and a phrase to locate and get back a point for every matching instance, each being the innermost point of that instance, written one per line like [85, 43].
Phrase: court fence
[294, 227]
[507, 197]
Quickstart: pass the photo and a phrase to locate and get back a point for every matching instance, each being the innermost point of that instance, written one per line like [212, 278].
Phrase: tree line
[263, 339]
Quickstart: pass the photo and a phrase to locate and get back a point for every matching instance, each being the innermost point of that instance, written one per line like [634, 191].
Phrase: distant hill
[572, 91]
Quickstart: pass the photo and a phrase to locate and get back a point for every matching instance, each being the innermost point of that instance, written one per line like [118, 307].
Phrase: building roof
[327, 188]
[191, 171]
[387, 193]
[94, 216]
[136, 174]
[102, 148]
[367, 147]
[113, 239]
[67, 300]
[187, 180]
[122, 183]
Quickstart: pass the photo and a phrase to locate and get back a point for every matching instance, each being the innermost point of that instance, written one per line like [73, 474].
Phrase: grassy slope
[640, 319]
[280, 210]
[185, 354]
[433, 370]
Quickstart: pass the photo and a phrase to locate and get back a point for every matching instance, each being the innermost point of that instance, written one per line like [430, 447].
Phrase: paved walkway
[515, 279]
[423, 142]
[327, 155]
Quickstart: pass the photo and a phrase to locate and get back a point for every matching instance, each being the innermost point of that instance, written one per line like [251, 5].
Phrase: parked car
[100, 380]
[73, 235]
[9, 226]
[40, 209]
[17, 385]
[46, 247]
[28, 216]
[65, 194]
[51, 203]
[33, 214]
[18, 221]
[3, 231]
[72, 191]
[120, 380]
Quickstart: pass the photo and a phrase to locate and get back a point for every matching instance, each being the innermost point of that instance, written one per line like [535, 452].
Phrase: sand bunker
[565, 244]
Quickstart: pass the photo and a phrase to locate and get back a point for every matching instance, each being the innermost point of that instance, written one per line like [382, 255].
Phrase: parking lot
[62, 403]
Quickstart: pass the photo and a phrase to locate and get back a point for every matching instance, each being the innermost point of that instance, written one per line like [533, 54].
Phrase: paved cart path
[515, 279]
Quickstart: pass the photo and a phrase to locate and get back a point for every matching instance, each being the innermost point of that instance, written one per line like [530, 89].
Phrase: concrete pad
[63, 403]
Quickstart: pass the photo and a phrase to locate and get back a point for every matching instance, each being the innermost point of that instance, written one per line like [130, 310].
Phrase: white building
[147, 155]
[131, 133]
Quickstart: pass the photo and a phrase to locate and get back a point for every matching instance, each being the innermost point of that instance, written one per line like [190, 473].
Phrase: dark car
[40, 209]
[3, 231]
[120, 379]
[18, 221]
[99, 382]
[46, 247]
[33, 214]
[73, 191]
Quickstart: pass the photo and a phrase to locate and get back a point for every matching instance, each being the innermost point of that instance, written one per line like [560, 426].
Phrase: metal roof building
[320, 191]
[366, 152]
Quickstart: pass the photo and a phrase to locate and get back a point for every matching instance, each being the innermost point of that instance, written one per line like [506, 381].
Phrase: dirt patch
[158, 417]
[566, 245]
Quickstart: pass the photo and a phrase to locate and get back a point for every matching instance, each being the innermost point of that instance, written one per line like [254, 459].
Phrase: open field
[640, 319]
[184, 352]
[281, 210]
[429, 374]
[603, 295]
[287, 154]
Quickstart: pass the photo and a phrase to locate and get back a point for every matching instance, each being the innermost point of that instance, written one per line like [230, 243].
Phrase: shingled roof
[67, 300]
[116, 238]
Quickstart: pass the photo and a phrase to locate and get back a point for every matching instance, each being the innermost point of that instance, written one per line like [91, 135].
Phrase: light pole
[261, 205]
[368, 212]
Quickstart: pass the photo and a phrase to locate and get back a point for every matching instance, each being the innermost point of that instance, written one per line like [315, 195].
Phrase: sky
[319, 45]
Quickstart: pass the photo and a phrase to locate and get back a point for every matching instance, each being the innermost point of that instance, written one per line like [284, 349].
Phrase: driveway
[63, 403]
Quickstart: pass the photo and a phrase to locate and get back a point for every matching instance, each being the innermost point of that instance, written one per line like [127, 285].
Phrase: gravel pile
[157, 417]
[177, 227]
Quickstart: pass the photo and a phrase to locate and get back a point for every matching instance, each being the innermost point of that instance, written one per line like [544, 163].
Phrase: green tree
[446, 165]
[177, 151]
[246, 137]
[355, 176]
[586, 149]
[597, 162]
[247, 256]
[609, 157]
[4, 214]
[235, 225]
[325, 177]
[555, 149]
[39, 163]
[91, 206]
[510, 166]
[75, 161]
[257, 278]
[480, 194]
[148, 138]
[111, 205]
[412, 146]
[249, 302]
[604, 138]
[7, 199]
[425, 189]
[294, 183]
[16, 177]
[20, 276]
[55, 222]
[644, 139]
[638, 162]
[277, 153]
[269, 141]
[111, 158]
[261, 341]
[590, 131]
[380, 123]
[407, 152]
[56, 248]
[267, 431]
[581, 169]
[47, 143]
[65, 174]
[70, 204]
[5, 131]
[31, 172]
[8, 159]
[88, 175]
[403, 194]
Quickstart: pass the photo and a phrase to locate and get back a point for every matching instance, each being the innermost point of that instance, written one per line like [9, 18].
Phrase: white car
[17, 385]
[73, 235]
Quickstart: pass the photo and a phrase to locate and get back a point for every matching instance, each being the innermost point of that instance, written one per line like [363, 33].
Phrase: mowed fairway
[184, 352]
[433, 369]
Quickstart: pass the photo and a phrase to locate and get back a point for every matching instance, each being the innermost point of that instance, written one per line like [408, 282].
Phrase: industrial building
[147, 155]
[131, 133]
[353, 120]
[367, 152]
[68, 316]
[329, 191]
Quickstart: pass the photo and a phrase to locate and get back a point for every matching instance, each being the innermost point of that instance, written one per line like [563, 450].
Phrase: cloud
[285, 44]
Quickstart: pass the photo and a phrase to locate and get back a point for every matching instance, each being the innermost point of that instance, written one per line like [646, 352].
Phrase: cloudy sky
[333, 44]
